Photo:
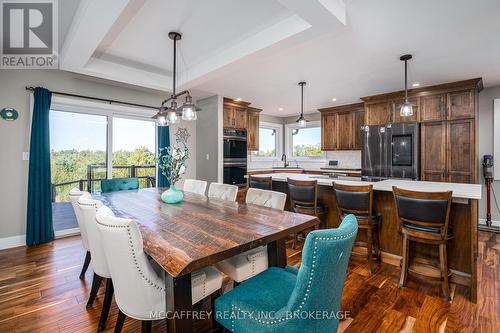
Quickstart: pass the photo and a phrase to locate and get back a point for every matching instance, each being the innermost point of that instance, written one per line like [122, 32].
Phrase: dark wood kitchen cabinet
[341, 127]
[433, 107]
[448, 119]
[448, 151]
[235, 114]
[253, 129]
[433, 151]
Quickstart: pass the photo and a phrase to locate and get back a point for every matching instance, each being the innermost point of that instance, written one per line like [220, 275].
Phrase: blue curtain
[163, 142]
[39, 228]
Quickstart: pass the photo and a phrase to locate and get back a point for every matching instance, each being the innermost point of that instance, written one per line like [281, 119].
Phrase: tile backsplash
[346, 159]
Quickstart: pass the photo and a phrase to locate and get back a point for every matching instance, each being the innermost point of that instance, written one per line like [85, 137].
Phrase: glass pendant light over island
[173, 114]
[407, 107]
[302, 121]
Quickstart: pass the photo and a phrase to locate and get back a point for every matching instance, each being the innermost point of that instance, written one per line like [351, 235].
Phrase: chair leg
[376, 242]
[85, 265]
[96, 283]
[404, 265]
[443, 264]
[120, 320]
[108, 298]
[146, 326]
[295, 240]
[369, 249]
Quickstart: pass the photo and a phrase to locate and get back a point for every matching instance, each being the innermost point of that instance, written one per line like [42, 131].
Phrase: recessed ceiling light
[416, 84]
[334, 99]
[280, 109]
[238, 99]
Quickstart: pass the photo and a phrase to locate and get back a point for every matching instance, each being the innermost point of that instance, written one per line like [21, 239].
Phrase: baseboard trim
[13, 241]
[67, 233]
[493, 222]
[20, 240]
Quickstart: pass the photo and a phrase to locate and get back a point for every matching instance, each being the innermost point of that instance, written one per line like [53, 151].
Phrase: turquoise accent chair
[294, 300]
[119, 184]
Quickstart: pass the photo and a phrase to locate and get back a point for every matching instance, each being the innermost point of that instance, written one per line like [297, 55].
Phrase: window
[304, 143]
[90, 142]
[269, 141]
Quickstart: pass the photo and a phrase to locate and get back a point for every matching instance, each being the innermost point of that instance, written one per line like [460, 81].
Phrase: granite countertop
[461, 191]
[320, 169]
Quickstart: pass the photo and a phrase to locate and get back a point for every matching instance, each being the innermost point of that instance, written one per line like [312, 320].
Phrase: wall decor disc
[9, 114]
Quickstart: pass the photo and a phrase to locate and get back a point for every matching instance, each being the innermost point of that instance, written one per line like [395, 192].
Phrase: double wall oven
[235, 156]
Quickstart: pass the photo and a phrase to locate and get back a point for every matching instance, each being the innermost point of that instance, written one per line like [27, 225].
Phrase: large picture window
[270, 141]
[304, 143]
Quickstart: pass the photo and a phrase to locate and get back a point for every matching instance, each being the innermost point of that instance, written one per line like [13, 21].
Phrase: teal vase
[172, 195]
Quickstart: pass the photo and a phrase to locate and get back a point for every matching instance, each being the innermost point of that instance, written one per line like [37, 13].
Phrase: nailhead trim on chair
[151, 283]
[306, 295]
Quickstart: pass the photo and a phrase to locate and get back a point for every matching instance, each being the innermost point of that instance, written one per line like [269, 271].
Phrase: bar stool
[423, 217]
[303, 196]
[358, 200]
[263, 183]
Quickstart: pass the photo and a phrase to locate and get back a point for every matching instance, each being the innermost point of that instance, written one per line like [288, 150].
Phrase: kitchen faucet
[283, 158]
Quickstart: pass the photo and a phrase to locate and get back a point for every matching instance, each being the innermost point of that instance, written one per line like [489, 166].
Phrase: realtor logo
[29, 34]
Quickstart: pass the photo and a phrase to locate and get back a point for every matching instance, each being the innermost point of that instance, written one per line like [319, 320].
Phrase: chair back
[422, 209]
[265, 198]
[119, 184]
[303, 192]
[195, 186]
[74, 195]
[320, 278]
[88, 209]
[263, 183]
[223, 191]
[137, 286]
[357, 200]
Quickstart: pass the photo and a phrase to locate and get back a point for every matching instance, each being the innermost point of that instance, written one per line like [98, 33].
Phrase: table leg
[276, 253]
[179, 302]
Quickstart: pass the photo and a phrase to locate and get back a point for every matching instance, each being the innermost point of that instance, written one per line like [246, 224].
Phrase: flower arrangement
[172, 162]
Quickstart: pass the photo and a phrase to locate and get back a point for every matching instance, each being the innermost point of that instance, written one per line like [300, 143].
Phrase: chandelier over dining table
[168, 115]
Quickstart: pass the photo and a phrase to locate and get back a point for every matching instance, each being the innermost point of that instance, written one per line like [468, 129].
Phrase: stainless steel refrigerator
[390, 151]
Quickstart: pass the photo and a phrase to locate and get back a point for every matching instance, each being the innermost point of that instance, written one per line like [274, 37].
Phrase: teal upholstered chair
[281, 300]
[119, 184]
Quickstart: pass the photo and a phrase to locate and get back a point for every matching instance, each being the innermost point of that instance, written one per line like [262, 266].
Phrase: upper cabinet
[433, 107]
[253, 129]
[396, 108]
[461, 104]
[378, 113]
[341, 127]
[239, 115]
[235, 114]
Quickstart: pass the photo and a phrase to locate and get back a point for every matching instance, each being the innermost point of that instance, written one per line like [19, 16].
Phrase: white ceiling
[258, 50]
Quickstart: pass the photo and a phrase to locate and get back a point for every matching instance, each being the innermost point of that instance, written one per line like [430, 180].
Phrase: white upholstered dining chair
[88, 208]
[248, 264]
[129, 266]
[223, 191]
[74, 195]
[195, 186]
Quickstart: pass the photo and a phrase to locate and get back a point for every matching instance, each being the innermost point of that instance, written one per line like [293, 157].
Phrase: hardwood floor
[40, 292]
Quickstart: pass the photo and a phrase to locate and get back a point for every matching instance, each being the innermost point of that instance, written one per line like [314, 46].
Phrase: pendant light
[302, 121]
[407, 107]
[173, 114]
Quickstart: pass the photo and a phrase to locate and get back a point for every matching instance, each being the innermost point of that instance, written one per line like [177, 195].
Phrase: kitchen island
[462, 249]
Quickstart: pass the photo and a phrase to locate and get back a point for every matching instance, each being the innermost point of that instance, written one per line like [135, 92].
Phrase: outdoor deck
[63, 216]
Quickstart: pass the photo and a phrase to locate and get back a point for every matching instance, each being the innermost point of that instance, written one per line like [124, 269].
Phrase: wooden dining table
[199, 232]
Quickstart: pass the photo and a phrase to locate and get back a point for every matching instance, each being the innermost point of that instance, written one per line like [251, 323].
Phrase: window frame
[278, 142]
[110, 111]
[289, 143]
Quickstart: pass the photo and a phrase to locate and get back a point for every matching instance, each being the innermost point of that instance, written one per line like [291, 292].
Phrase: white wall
[485, 134]
[14, 135]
